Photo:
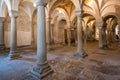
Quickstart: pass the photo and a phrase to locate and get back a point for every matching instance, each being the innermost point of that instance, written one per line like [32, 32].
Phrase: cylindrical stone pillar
[41, 68]
[105, 45]
[100, 37]
[13, 36]
[75, 36]
[99, 25]
[80, 46]
[69, 36]
[2, 45]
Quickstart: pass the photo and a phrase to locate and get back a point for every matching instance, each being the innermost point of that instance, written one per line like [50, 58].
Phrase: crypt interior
[59, 40]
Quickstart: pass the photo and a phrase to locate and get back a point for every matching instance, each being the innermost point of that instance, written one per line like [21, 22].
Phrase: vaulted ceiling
[96, 8]
[65, 4]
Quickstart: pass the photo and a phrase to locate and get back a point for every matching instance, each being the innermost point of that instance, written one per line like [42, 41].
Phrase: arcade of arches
[59, 39]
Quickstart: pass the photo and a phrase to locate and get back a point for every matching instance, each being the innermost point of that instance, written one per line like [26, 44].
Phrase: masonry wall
[23, 29]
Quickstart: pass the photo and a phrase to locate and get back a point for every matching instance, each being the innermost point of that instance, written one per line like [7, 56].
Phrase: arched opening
[117, 32]
[59, 32]
[89, 28]
[23, 28]
[62, 32]
[112, 28]
[74, 31]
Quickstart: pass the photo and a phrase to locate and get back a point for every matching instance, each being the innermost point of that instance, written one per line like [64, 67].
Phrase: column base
[80, 55]
[40, 71]
[105, 47]
[13, 55]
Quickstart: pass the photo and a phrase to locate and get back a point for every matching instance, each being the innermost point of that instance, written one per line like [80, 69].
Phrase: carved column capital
[100, 28]
[41, 2]
[13, 13]
[68, 23]
[99, 24]
[48, 19]
[79, 13]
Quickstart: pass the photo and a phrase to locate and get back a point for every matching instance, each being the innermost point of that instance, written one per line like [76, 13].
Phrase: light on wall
[60, 11]
[89, 2]
[34, 5]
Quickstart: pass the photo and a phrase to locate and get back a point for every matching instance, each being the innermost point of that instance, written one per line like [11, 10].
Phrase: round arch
[75, 2]
[3, 9]
[29, 8]
[110, 3]
[88, 13]
[59, 15]
[110, 14]
[60, 11]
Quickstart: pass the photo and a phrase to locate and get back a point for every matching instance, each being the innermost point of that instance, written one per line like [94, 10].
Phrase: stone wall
[35, 27]
[23, 29]
[59, 32]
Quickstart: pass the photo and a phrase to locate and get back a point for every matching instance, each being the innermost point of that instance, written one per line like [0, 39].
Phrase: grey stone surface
[65, 66]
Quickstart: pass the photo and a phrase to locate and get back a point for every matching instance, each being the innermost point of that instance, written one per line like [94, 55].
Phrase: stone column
[109, 33]
[105, 46]
[86, 36]
[109, 36]
[75, 36]
[52, 33]
[69, 34]
[100, 37]
[2, 45]
[41, 68]
[32, 33]
[80, 47]
[13, 35]
[48, 33]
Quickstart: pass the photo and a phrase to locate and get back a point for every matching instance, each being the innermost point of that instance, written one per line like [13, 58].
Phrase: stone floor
[99, 65]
